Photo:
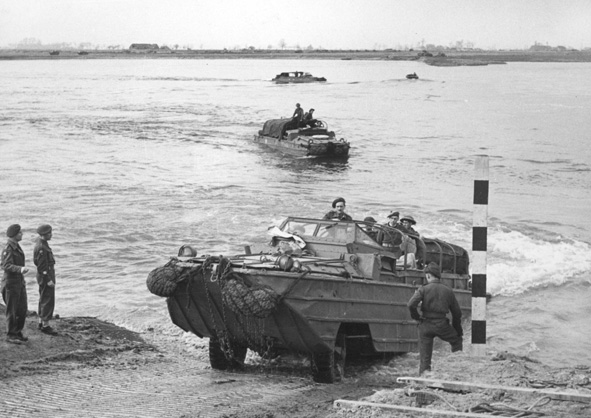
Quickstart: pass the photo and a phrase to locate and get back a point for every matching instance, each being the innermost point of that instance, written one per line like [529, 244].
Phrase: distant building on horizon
[143, 47]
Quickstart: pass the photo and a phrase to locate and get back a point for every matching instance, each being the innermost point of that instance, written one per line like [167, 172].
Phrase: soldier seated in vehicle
[369, 227]
[389, 238]
[308, 119]
[409, 249]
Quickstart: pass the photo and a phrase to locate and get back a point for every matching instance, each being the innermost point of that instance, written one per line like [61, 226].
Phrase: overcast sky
[331, 24]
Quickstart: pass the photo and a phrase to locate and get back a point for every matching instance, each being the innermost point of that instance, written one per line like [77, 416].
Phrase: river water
[130, 159]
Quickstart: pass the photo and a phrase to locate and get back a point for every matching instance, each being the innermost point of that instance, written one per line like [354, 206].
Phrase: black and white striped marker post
[479, 238]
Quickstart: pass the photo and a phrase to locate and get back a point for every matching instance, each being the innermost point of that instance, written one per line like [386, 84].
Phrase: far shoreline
[448, 59]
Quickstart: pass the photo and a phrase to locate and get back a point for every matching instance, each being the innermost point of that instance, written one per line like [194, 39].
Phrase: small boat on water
[412, 76]
[296, 77]
[286, 136]
[323, 288]
[54, 53]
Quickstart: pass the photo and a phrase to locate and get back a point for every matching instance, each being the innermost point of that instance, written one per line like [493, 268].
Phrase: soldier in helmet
[369, 227]
[13, 287]
[408, 222]
[45, 262]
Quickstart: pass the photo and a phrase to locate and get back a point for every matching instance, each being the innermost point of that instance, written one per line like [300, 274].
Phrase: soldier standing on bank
[14, 291]
[43, 258]
[436, 301]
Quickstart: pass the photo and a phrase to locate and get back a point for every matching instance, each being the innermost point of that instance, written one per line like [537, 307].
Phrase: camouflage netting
[163, 281]
[257, 301]
[243, 298]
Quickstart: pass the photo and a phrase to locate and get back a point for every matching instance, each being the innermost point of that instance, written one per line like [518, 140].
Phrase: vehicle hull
[301, 147]
[298, 80]
[312, 309]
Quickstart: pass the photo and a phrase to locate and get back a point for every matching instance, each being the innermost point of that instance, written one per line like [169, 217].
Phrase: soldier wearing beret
[43, 258]
[393, 218]
[13, 287]
[391, 239]
[338, 214]
[436, 301]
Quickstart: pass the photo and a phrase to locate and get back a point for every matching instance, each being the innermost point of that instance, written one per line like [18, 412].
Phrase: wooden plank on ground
[468, 386]
[344, 403]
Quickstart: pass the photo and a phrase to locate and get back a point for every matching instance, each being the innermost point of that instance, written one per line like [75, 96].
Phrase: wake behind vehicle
[327, 289]
[286, 136]
[296, 77]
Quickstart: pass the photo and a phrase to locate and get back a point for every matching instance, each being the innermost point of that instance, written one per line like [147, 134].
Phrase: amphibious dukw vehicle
[296, 77]
[324, 288]
[286, 136]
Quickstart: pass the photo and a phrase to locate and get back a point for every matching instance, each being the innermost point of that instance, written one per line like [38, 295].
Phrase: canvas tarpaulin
[275, 127]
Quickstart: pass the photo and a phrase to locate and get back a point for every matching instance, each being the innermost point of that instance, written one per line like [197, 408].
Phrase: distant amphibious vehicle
[296, 77]
[290, 138]
[323, 288]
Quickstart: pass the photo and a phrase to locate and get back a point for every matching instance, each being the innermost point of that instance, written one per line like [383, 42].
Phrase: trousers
[15, 298]
[46, 302]
[428, 329]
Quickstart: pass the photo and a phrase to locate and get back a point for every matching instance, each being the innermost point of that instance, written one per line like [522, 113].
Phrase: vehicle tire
[219, 361]
[217, 358]
[329, 367]
[239, 356]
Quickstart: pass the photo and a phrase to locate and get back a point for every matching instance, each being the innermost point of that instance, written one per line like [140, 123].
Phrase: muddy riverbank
[97, 369]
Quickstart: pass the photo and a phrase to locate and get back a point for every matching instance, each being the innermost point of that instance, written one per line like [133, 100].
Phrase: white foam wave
[517, 262]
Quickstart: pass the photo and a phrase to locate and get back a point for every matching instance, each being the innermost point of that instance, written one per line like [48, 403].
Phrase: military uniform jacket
[333, 214]
[437, 300]
[13, 260]
[43, 259]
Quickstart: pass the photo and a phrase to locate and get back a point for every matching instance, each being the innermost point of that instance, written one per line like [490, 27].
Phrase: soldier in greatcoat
[14, 292]
[45, 262]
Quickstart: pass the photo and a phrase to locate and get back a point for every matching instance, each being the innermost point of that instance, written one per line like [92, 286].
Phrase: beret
[44, 229]
[433, 268]
[337, 200]
[13, 230]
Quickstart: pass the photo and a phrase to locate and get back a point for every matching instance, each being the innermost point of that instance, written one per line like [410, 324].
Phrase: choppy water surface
[129, 159]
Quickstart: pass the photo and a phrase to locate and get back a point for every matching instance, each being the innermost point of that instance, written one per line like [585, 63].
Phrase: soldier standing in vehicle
[339, 213]
[436, 300]
[45, 262]
[298, 114]
[14, 291]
